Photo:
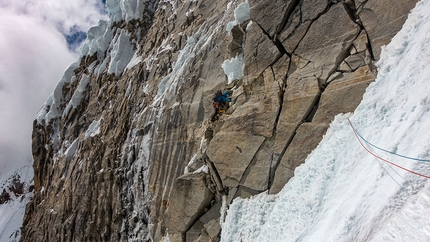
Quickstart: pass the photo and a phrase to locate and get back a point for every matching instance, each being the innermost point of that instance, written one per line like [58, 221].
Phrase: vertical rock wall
[124, 150]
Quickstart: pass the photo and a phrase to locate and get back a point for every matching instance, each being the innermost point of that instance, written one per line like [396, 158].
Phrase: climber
[221, 103]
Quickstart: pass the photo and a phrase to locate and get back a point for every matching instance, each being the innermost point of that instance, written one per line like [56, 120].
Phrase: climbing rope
[375, 155]
[403, 156]
[388, 167]
[392, 178]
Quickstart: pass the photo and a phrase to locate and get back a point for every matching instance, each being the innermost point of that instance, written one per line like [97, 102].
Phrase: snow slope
[12, 212]
[344, 193]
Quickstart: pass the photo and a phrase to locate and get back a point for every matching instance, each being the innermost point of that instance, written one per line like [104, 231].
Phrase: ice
[203, 169]
[172, 3]
[51, 109]
[170, 82]
[93, 129]
[98, 39]
[114, 10]
[233, 68]
[92, 66]
[223, 209]
[199, 153]
[190, 11]
[102, 67]
[98, 42]
[136, 59]
[241, 14]
[77, 96]
[121, 54]
[129, 87]
[342, 192]
[248, 26]
[163, 85]
[229, 5]
[149, 60]
[101, 38]
[192, 160]
[166, 238]
[133, 9]
[70, 152]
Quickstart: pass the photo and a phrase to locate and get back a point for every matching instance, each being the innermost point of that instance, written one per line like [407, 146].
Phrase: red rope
[389, 162]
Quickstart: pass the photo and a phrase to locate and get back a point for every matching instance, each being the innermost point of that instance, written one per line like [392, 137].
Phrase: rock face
[189, 197]
[124, 150]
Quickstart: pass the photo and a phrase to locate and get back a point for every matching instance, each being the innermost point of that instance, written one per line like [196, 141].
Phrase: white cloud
[33, 57]
[62, 14]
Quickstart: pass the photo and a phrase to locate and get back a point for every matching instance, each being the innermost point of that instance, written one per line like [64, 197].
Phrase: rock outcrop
[124, 150]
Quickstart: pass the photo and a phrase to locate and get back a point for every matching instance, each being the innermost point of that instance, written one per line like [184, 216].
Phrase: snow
[70, 152]
[93, 129]
[171, 82]
[172, 3]
[129, 87]
[200, 151]
[233, 68]
[114, 10]
[190, 11]
[229, 5]
[102, 67]
[342, 192]
[136, 59]
[203, 169]
[248, 26]
[223, 210]
[121, 54]
[166, 238]
[78, 95]
[241, 14]
[12, 212]
[105, 38]
[51, 109]
[127, 9]
[152, 57]
[133, 9]
[192, 160]
[98, 39]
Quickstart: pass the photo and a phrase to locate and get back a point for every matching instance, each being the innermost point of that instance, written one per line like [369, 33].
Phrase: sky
[38, 40]
[369, 177]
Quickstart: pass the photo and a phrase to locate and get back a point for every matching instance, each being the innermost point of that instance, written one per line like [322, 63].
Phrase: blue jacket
[223, 97]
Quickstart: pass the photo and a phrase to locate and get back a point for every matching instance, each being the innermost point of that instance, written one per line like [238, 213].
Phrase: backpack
[216, 95]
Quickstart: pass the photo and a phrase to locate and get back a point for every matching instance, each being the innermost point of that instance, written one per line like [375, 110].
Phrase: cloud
[66, 13]
[34, 54]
